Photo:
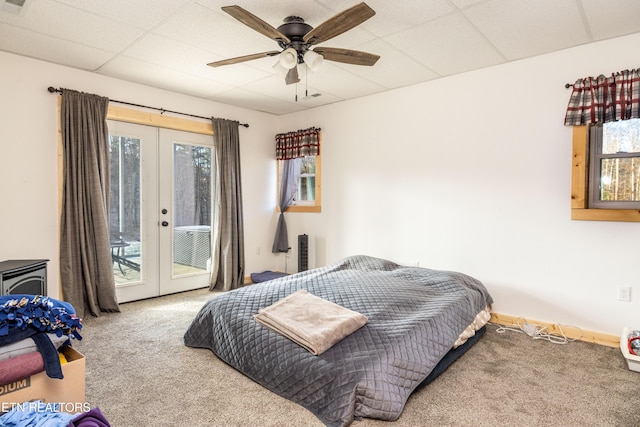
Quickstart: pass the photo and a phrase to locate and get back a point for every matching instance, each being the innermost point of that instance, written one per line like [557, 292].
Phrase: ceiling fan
[296, 38]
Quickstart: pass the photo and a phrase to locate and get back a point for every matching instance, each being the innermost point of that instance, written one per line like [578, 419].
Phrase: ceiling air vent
[15, 7]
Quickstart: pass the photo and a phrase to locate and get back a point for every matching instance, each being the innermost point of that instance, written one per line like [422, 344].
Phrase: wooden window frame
[580, 187]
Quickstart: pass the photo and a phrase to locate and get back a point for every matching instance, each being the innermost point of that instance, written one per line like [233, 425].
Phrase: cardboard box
[68, 391]
[633, 361]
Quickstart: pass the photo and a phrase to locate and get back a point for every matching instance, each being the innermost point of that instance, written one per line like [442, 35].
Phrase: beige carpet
[140, 373]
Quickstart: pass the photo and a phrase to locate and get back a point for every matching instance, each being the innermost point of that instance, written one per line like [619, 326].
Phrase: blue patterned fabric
[33, 316]
[37, 312]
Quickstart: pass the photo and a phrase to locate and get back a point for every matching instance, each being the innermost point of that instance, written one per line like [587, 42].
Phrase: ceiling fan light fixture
[281, 69]
[313, 60]
[288, 58]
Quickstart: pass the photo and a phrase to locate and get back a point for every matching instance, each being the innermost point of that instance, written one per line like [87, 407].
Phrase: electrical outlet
[257, 250]
[624, 293]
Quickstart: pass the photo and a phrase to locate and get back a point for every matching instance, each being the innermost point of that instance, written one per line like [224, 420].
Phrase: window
[614, 171]
[606, 172]
[298, 155]
[307, 183]
[308, 195]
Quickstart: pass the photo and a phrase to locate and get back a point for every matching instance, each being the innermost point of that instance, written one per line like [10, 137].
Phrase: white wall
[472, 173]
[29, 148]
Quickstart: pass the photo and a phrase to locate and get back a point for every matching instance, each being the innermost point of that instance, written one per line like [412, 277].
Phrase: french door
[161, 210]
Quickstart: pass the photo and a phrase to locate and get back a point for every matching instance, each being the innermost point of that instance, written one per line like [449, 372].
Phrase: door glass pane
[620, 179]
[192, 186]
[124, 208]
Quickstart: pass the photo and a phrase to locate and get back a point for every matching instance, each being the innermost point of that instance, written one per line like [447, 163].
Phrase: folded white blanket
[310, 321]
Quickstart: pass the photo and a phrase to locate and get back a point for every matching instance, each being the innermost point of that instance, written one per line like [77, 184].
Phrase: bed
[415, 317]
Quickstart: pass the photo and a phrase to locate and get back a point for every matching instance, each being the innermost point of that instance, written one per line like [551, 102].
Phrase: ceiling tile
[275, 87]
[214, 32]
[448, 45]
[176, 55]
[314, 98]
[238, 74]
[391, 17]
[394, 68]
[341, 82]
[68, 23]
[41, 46]
[350, 39]
[606, 21]
[273, 12]
[523, 29]
[263, 64]
[166, 78]
[257, 102]
[139, 13]
[461, 4]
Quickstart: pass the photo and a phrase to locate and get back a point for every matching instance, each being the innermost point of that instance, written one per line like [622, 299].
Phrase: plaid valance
[604, 99]
[300, 143]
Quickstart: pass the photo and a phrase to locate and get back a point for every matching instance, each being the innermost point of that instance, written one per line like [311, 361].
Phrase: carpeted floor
[139, 373]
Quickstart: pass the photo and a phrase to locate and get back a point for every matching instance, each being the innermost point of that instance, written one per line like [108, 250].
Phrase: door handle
[164, 223]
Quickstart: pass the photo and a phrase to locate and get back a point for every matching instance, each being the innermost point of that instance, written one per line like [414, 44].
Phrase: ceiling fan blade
[292, 76]
[252, 21]
[340, 23]
[347, 56]
[243, 58]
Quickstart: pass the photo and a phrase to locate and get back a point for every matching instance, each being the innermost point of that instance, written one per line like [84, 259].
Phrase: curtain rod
[52, 89]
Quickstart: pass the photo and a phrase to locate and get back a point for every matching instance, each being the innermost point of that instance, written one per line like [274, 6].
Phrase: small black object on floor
[266, 275]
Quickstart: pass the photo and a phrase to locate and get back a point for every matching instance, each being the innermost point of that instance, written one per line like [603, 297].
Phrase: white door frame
[157, 273]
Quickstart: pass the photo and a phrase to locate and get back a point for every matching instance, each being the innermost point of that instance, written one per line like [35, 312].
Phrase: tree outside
[620, 174]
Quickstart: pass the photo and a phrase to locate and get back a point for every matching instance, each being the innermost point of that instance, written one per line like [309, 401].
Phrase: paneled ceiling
[168, 43]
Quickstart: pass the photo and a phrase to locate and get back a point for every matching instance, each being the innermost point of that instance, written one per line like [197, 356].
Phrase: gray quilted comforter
[415, 316]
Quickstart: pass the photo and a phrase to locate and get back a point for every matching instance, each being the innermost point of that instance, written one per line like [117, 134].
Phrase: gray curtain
[86, 268]
[227, 270]
[289, 176]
